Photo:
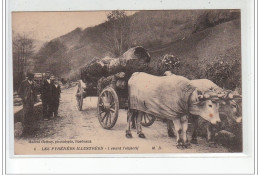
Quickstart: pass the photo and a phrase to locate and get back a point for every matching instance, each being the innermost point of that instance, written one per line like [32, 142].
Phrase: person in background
[27, 92]
[56, 90]
[46, 96]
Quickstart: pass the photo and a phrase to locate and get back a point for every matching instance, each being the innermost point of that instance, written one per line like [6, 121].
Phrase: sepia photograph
[127, 82]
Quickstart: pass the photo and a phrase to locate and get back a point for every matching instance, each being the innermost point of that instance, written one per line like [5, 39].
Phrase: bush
[225, 73]
[168, 63]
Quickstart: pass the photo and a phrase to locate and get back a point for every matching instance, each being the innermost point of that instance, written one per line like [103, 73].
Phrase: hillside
[205, 47]
[37, 45]
[198, 37]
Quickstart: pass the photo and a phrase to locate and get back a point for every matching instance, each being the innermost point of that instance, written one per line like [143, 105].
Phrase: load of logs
[115, 71]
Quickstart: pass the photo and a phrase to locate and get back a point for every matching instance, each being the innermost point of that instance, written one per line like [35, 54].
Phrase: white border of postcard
[217, 163]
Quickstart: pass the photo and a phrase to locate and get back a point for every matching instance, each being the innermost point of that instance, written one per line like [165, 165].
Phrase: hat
[30, 75]
[52, 77]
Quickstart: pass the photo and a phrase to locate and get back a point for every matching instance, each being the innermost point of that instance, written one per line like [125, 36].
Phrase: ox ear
[199, 95]
[200, 103]
[199, 92]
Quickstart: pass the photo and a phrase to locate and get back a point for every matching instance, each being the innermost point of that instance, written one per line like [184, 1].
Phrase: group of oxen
[176, 99]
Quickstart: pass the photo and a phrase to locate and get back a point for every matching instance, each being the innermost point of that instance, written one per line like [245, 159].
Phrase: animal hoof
[128, 135]
[141, 135]
[194, 141]
[213, 145]
[188, 146]
[170, 134]
[180, 146]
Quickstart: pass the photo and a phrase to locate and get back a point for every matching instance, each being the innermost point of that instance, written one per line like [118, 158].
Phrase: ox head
[231, 105]
[204, 106]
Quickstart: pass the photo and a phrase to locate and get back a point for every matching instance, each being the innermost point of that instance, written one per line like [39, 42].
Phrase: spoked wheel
[79, 96]
[108, 108]
[147, 120]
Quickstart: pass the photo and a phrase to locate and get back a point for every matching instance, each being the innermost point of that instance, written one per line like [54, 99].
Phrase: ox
[230, 106]
[170, 97]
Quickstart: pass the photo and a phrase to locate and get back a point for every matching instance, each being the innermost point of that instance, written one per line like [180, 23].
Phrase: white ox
[230, 106]
[169, 97]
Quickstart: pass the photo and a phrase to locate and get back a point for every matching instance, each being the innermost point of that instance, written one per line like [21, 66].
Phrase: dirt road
[82, 132]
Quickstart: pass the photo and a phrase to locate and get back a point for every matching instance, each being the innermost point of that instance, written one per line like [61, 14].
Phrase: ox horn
[230, 96]
[237, 96]
[206, 96]
[213, 97]
[200, 96]
[221, 95]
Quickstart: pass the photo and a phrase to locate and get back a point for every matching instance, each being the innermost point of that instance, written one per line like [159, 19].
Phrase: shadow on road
[37, 128]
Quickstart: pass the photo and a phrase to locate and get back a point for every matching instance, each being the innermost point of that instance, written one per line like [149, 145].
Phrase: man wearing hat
[46, 96]
[56, 90]
[27, 92]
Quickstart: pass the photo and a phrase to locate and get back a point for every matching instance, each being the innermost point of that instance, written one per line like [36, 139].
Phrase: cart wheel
[107, 108]
[147, 120]
[79, 96]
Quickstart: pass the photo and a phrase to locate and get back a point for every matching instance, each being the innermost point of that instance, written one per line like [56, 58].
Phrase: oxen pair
[170, 97]
[229, 106]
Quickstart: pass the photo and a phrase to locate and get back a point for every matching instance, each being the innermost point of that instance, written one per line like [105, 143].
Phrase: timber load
[106, 70]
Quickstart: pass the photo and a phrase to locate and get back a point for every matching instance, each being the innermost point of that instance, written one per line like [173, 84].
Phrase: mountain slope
[197, 37]
[202, 49]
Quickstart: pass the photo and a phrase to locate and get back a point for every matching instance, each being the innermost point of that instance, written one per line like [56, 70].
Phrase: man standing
[27, 91]
[56, 90]
[46, 96]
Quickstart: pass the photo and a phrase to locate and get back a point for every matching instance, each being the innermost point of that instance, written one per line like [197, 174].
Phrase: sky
[45, 26]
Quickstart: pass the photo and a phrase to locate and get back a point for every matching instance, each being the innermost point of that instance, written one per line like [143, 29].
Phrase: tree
[23, 49]
[117, 35]
[53, 57]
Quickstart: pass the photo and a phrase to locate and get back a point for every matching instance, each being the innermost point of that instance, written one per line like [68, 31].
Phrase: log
[133, 60]
[115, 81]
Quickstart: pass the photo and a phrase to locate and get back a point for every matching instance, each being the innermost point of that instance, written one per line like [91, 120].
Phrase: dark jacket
[27, 92]
[56, 93]
[46, 91]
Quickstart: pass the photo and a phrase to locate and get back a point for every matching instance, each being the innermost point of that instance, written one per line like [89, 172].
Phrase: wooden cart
[111, 88]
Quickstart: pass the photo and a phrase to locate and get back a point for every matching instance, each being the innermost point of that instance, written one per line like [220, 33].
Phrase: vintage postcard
[127, 82]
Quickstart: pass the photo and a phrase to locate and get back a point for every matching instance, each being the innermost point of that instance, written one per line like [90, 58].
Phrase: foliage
[213, 18]
[161, 32]
[117, 38]
[23, 49]
[225, 72]
[50, 57]
[168, 63]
